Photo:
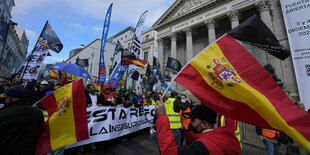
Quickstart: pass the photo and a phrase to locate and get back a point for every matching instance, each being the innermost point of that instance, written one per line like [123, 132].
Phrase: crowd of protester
[21, 122]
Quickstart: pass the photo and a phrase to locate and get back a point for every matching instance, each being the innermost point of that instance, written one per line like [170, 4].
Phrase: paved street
[134, 144]
[142, 142]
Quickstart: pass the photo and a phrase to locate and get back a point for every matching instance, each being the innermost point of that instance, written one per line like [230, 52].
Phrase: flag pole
[126, 78]
[112, 64]
[29, 58]
[132, 42]
[190, 61]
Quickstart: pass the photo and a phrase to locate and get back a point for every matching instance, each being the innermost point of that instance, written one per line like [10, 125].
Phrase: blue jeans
[271, 148]
[177, 136]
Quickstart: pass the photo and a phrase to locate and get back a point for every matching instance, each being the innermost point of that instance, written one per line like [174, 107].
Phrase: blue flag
[102, 71]
[117, 75]
[166, 85]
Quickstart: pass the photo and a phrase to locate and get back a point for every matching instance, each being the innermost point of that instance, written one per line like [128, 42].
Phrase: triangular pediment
[181, 8]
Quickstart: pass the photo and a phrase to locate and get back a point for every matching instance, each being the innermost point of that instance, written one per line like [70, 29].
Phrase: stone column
[264, 7]
[189, 44]
[234, 18]
[173, 37]
[211, 30]
[161, 52]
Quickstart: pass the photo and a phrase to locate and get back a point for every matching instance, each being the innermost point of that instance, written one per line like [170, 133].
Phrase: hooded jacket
[218, 141]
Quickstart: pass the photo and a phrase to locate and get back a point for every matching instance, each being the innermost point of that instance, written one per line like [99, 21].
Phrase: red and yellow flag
[137, 62]
[228, 79]
[67, 122]
[64, 78]
[54, 74]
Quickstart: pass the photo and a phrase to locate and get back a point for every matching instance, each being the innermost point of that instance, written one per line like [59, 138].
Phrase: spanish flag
[63, 78]
[67, 118]
[228, 79]
[128, 58]
[54, 74]
[136, 62]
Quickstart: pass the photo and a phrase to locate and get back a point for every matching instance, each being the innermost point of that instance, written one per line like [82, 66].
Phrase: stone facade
[92, 53]
[189, 26]
[123, 36]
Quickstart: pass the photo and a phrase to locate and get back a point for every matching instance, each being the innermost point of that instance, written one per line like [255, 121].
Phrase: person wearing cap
[107, 97]
[16, 96]
[20, 123]
[41, 92]
[205, 140]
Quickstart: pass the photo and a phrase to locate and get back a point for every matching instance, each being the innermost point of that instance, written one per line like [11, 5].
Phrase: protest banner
[106, 123]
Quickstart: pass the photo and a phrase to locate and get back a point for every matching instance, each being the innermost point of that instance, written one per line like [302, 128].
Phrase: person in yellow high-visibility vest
[174, 117]
[222, 121]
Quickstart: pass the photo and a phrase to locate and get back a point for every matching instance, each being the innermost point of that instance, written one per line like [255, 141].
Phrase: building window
[147, 37]
[146, 56]
[125, 36]
[122, 38]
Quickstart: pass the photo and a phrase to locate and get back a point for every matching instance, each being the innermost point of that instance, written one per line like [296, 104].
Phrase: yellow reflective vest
[237, 131]
[45, 114]
[153, 102]
[174, 117]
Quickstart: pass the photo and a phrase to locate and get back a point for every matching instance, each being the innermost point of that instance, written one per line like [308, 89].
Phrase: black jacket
[88, 99]
[104, 102]
[20, 127]
[178, 105]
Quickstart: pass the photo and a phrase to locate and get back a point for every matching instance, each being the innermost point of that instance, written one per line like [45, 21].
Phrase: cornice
[187, 15]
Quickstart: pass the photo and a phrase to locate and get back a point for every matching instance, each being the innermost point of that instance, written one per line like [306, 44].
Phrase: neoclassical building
[189, 26]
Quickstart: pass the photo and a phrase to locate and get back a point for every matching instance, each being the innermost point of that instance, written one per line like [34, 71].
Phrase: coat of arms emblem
[221, 73]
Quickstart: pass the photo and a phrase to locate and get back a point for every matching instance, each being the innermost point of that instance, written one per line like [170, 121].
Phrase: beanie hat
[17, 92]
[204, 113]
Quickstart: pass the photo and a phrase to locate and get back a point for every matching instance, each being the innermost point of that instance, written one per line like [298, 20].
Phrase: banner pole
[29, 58]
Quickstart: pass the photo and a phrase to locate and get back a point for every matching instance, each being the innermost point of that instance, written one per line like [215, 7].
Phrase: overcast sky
[80, 21]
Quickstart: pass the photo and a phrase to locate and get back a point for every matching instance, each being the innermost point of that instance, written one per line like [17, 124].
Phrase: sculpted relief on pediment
[190, 5]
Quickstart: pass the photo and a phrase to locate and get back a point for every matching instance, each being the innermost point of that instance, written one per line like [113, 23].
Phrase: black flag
[151, 76]
[156, 64]
[255, 32]
[118, 48]
[49, 39]
[135, 75]
[173, 65]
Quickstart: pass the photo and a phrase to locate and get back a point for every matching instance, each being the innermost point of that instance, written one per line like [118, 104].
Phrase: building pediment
[189, 6]
[184, 8]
